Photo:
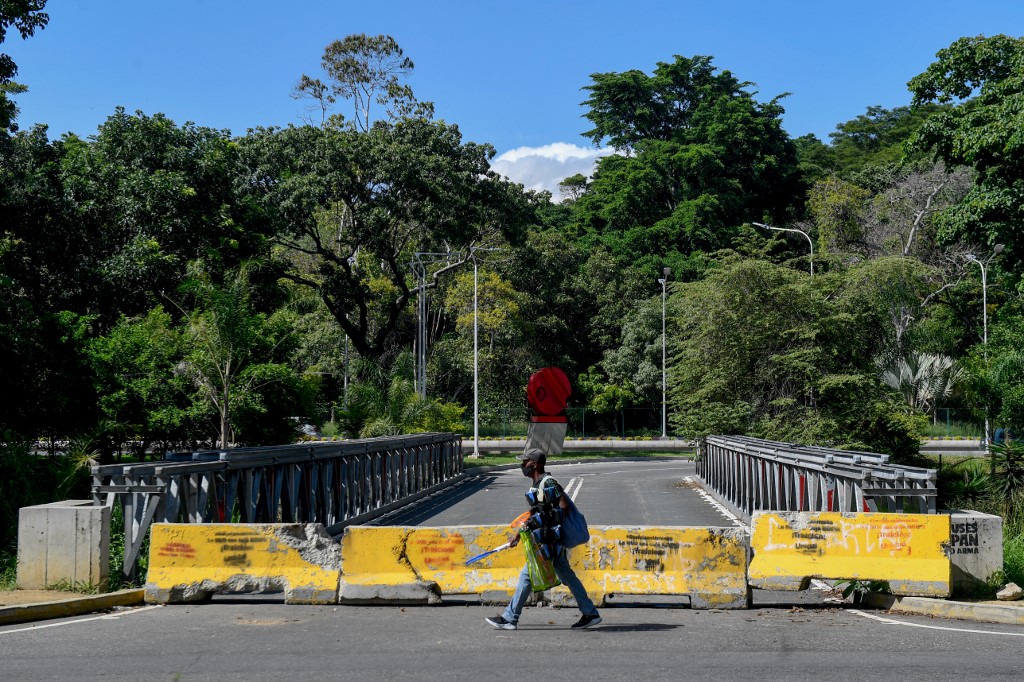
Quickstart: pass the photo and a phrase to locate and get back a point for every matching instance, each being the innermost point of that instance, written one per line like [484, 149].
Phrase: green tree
[387, 404]
[140, 399]
[234, 354]
[151, 197]
[366, 70]
[349, 209]
[767, 351]
[698, 157]
[26, 16]
[983, 79]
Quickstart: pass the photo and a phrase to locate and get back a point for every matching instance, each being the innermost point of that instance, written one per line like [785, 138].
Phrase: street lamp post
[476, 364]
[664, 376]
[793, 229]
[996, 250]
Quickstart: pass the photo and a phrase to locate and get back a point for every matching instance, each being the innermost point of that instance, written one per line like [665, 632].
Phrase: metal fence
[749, 474]
[330, 483]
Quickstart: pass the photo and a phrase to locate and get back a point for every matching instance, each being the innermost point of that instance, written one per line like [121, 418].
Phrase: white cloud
[544, 167]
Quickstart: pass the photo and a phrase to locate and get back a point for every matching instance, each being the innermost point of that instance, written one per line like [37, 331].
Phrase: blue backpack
[574, 524]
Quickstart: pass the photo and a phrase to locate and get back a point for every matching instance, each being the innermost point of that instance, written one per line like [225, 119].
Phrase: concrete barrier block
[63, 542]
[975, 550]
[907, 550]
[191, 561]
[708, 564]
[418, 565]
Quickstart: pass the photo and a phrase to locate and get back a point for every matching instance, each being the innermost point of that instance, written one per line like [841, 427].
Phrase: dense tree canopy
[698, 157]
[984, 79]
[25, 16]
[351, 208]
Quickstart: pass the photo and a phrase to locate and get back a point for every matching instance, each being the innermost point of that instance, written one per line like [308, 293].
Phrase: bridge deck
[647, 492]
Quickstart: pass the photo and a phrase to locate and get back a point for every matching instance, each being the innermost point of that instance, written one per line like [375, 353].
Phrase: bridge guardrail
[334, 484]
[750, 474]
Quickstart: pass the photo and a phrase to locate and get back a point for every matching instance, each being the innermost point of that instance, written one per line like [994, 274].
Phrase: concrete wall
[975, 549]
[63, 542]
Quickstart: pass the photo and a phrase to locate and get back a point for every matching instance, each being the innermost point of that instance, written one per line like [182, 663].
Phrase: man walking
[547, 504]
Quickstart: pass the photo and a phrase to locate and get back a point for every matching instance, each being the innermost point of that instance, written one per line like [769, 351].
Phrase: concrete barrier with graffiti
[909, 551]
[396, 564]
[191, 562]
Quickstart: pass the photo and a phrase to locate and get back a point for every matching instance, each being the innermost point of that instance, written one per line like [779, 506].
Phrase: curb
[24, 613]
[959, 610]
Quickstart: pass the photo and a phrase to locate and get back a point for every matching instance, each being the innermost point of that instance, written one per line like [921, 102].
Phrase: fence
[748, 475]
[330, 483]
[509, 422]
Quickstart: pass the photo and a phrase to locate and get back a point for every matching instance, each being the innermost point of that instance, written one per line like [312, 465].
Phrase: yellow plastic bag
[542, 571]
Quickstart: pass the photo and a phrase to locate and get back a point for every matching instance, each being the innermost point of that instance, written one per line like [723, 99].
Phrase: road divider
[420, 565]
[909, 551]
[190, 561]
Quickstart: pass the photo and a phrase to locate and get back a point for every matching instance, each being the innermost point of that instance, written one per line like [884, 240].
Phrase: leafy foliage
[698, 156]
[984, 80]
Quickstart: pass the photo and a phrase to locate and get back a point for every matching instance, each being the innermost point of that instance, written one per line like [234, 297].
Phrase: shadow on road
[436, 504]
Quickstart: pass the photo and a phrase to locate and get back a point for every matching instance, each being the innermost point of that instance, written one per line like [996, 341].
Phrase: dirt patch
[19, 597]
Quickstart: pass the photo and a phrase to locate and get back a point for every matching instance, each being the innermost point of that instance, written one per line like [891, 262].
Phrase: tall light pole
[996, 250]
[664, 376]
[793, 229]
[421, 259]
[476, 363]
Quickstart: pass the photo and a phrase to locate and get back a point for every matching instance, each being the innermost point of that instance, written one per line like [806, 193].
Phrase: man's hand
[513, 539]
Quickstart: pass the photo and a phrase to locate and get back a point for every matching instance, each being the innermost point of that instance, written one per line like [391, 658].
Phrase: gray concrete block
[419, 592]
[67, 541]
[975, 549]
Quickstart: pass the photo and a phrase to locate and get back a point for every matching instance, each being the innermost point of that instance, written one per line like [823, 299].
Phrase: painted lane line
[890, 621]
[109, 616]
[719, 507]
[573, 489]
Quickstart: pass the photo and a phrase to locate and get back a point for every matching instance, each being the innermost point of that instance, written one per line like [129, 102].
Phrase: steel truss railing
[335, 484]
[749, 474]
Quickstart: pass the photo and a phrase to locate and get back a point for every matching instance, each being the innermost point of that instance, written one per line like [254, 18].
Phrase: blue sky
[509, 74]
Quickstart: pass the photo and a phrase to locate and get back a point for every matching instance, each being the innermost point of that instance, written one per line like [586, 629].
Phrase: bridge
[408, 515]
[788, 634]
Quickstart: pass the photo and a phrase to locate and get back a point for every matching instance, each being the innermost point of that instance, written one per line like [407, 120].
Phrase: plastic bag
[574, 526]
[542, 571]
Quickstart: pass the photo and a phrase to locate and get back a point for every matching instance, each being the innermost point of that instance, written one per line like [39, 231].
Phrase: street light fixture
[476, 364]
[667, 272]
[793, 229]
[996, 250]
[421, 260]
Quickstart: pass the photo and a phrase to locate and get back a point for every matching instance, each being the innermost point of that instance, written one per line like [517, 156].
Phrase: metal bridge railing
[749, 474]
[335, 484]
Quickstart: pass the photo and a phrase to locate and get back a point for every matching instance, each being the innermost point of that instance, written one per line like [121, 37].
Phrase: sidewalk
[1010, 612]
[23, 606]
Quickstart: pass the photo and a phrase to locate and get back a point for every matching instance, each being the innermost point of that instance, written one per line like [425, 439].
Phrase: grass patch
[8, 571]
[510, 458]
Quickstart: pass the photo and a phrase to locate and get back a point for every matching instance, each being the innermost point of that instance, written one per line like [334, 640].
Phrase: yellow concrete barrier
[907, 550]
[402, 564]
[192, 561]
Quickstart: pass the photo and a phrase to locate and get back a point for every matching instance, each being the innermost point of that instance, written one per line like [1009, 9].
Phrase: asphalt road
[645, 492]
[246, 639]
[786, 636]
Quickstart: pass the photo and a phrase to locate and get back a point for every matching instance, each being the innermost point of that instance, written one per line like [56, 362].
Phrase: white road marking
[890, 621]
[573, 489]
[109, 616]
[719, 507]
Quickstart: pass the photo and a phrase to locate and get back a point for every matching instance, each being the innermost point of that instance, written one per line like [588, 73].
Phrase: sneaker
[585, 621]
[502, 624]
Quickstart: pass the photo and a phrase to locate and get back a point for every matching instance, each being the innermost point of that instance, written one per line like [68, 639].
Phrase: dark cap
[535, 454]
